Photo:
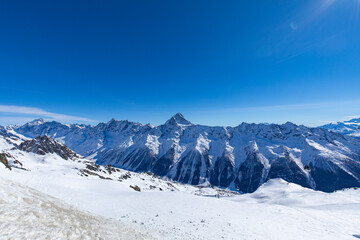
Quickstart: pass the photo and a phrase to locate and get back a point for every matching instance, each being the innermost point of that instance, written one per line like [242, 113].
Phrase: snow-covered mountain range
[349, 127]
[50, 158]
[38, 172]
[240, 158]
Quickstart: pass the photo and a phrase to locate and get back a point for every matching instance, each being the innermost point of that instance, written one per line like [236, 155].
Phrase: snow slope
[48, 163]
[277, 210]
[240, 158]
[30, 214]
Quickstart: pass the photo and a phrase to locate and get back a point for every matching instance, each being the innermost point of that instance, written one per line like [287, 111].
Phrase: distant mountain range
[350, 127]
[43, 157]
[240, 158]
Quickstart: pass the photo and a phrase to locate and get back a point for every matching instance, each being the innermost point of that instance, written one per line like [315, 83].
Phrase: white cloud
[38, 112]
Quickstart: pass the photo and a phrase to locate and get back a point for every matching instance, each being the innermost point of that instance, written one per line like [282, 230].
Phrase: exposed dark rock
[223, 172]
[136, 188]
[162, 165]
[252, 172]
[333, 177]
[4, 160]
[43, 145]
[139, 160]
[287, 169]
[192, 167]
[110, 169]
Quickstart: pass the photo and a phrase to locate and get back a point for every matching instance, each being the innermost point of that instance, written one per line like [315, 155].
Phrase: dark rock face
[162, 166]
[43, 144]
[192, 167]
[252, 172]
[334, 177]
[139, 160]
[287, 169]
[223, 172]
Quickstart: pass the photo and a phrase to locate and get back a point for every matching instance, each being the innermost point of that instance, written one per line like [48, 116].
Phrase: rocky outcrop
[4, 161]
[43, 145]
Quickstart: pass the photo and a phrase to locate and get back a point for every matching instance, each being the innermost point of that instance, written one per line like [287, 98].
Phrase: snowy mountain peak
[178, 119]
[119, 126]
[290, 125]
[37, 121]
[113, 122]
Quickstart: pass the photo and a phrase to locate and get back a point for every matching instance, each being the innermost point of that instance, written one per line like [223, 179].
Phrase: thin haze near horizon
[218, 63]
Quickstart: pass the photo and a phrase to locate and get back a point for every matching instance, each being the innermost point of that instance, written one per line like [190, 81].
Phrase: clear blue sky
[217, 62]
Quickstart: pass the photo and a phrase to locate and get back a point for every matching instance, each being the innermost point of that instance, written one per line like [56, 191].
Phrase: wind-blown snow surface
[29, 214]
[240, 158]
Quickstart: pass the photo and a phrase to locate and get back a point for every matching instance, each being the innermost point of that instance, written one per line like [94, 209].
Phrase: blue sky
[217, 62]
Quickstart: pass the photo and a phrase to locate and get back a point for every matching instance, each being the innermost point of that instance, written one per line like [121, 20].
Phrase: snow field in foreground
[278, 210]
[28, 214]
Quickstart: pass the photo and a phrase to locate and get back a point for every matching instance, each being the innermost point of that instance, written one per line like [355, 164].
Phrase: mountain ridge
[241, 157]
[349, 127]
